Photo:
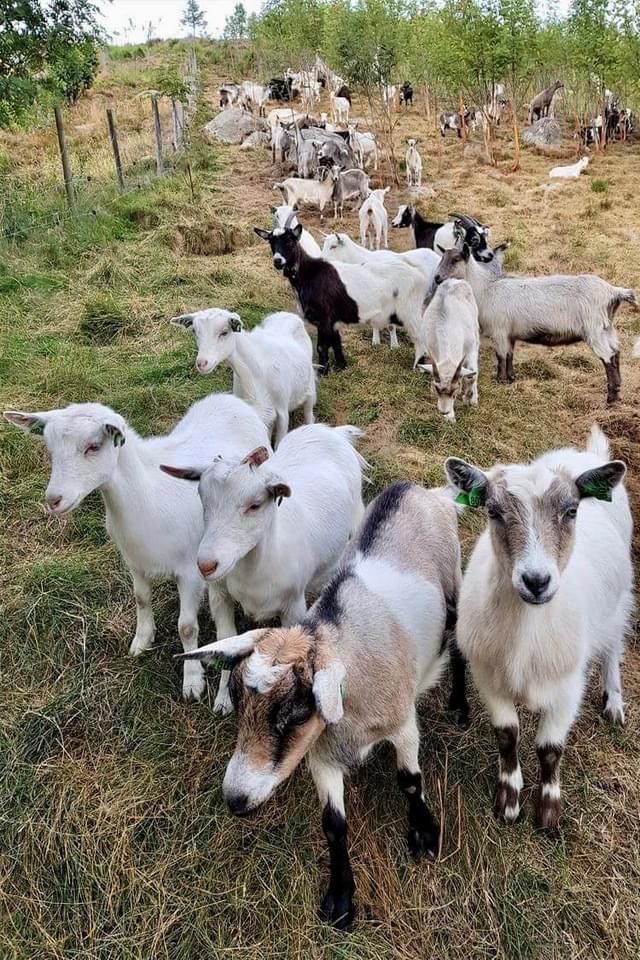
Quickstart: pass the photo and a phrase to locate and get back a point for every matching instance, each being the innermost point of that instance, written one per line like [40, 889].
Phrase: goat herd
[547, 591]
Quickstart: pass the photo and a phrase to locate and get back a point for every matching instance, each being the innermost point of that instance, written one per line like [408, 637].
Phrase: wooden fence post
[64, 156]
[178, 124]
[158, 133]
[114, 146]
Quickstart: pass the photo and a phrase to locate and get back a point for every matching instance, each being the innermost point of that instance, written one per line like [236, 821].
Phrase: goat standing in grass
[414, 165]
[349, 676]
[547, 591]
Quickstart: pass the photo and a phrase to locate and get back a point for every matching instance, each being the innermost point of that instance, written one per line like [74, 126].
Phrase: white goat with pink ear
[154, 520]
[272, 364]
[275, 526]
[547, 591]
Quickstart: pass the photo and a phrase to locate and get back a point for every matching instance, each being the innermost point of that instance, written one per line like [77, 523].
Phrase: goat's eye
[493, 512]
[571, 513]
[92, 448]
[253, 507]
[224, 333]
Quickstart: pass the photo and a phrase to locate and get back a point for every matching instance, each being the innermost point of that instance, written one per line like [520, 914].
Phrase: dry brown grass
[115, 842]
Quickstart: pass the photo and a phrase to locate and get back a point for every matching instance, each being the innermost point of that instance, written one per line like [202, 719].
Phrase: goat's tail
[354, 435]
[598, 443]
[622, 295]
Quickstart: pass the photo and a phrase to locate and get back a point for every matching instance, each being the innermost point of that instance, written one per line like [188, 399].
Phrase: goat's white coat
[281, 217]
[318, 193]
[414, 165]
[374, 222]
[571, 171]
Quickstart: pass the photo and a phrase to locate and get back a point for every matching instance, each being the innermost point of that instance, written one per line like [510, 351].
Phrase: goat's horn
[464, 219]
[289, 219]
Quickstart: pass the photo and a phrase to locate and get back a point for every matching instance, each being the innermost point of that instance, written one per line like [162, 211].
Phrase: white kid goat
[272, 364]
[154, 521]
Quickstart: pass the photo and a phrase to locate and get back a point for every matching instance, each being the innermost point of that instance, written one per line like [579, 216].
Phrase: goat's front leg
[145, 624]
[423, 836]
[281, 427]
[504, 717]
[551, 735]
[324, 343]
[222, 614]
[336, 343]
[511, 376]
[190, 592]
[375, 337]
[337, 906]
[393, 336]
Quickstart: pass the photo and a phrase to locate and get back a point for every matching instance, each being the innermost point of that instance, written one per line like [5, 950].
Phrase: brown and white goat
[349, 676]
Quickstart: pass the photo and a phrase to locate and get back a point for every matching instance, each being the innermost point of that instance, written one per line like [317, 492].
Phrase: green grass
[115, 843]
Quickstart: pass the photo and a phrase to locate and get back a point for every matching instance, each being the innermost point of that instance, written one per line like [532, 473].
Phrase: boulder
[233, 125]
[256, 139]
[543, 133]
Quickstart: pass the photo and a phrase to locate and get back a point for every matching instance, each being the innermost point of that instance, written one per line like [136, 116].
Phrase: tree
[48, 51]
[194, 18]
[236, 26]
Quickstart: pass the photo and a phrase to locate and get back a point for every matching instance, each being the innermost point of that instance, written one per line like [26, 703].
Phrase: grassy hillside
[114, 841]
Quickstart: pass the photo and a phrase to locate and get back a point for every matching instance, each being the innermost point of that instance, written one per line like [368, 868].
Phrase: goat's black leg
[423, 835]
[548, 793]
[458, 703]
[509, 366]
[612, 369]
[337, 904]
[336, 343]
[323, 353]
[501, 371]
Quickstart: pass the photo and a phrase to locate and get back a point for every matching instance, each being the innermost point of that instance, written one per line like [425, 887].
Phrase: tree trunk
[463, 126]
[516, 137]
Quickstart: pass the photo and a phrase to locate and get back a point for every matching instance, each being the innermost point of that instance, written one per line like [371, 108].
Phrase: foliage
[194, 18]
[236, 26]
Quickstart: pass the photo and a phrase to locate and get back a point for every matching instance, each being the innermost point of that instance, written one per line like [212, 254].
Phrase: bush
[599, 186]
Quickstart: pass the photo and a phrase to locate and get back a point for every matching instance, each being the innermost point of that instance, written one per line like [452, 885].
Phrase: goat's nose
[207, 567]
[54, 501]
[536, 583]
[238, 803]
[201, 364]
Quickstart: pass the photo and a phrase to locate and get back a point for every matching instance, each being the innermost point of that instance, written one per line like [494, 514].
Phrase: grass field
[114, 841]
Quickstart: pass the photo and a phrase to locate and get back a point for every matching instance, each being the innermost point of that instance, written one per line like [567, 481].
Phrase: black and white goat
[444, 236]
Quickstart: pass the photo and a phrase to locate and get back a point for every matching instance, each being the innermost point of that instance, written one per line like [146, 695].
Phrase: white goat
[254, 94]
[349, 676]
[339, 108]
[284, 216]
[374, 222]
[276, 527]
[364, 147]
[551, 311]
[414, 164]
[572, 171]
[318, 193]
[283, 115]
[154, 521]
[272, 365]
[452, 343]
[547, 591]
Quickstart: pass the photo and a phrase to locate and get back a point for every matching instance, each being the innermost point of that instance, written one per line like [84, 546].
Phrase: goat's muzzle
[207, 567]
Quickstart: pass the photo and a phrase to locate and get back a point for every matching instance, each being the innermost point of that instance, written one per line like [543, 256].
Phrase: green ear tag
[601, 491]
[37, 429]
[342, 693]
[463, 499]
[474, 498]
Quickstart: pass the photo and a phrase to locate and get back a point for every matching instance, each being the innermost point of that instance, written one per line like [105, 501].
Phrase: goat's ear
[465, 251]
[115, 432]
[600, 481]
[425, 368]
[230, 647]
[458, 373]
[470, 480]
[235, 322]
[297, 231]
[327, 691]
[263, 234]
[183, 320]
[33, 423]
[435, 371]
[182, 473]
[257, 457]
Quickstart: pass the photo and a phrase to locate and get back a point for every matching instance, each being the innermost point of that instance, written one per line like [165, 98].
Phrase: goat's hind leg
[222, 614]
[190, 592]
[611, 684]
[145, 623]
[606, 347]
[423, 835]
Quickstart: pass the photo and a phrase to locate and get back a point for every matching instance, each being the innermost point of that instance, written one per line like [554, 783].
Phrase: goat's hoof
[613, 709]
[424, 842]
[460, 714]
[222, 703]
[340, 366]
[506, 803]
[193, 685]
[140, 645]
[548, 815]
[337, 909]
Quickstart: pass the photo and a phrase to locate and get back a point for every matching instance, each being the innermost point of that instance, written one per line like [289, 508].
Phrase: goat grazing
[330, 294]
[547, 591]
[348, 185]
[414, 164]
[541, 104]
[272, 365]
[296, 190]
[374, 223]
[276, 527]
[452, 343]
[550, 311]
[571, 171]
[155, 523]
[349, 676]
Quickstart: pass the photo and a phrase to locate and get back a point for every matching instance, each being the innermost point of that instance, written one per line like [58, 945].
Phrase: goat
[406, 94]
[285, 216]
[571, 171]
[254, 94]
[228, 94]
[440, 236]
[283, 115]
[155, 523]
[272, 365]
[339, 108]
[329, 294]
[550, 311]
[389, 94]
[373, 219]
[280, 143]
[547, 591]
[348, 185]
[349, 676]
[452, 121]
[318, 193]
[307, 158]
[452, 343]
[413, 161]
[276, 527]
[541, 103]
[336, 152]
[364, 147]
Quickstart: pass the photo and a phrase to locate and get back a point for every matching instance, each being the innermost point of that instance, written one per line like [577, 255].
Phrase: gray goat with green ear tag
[155, 521]
[547, 592]
[272, 364]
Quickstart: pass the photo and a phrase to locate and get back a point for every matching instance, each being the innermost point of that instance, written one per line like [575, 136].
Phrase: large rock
[233, 125]
[256, 139]
[543, 133]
